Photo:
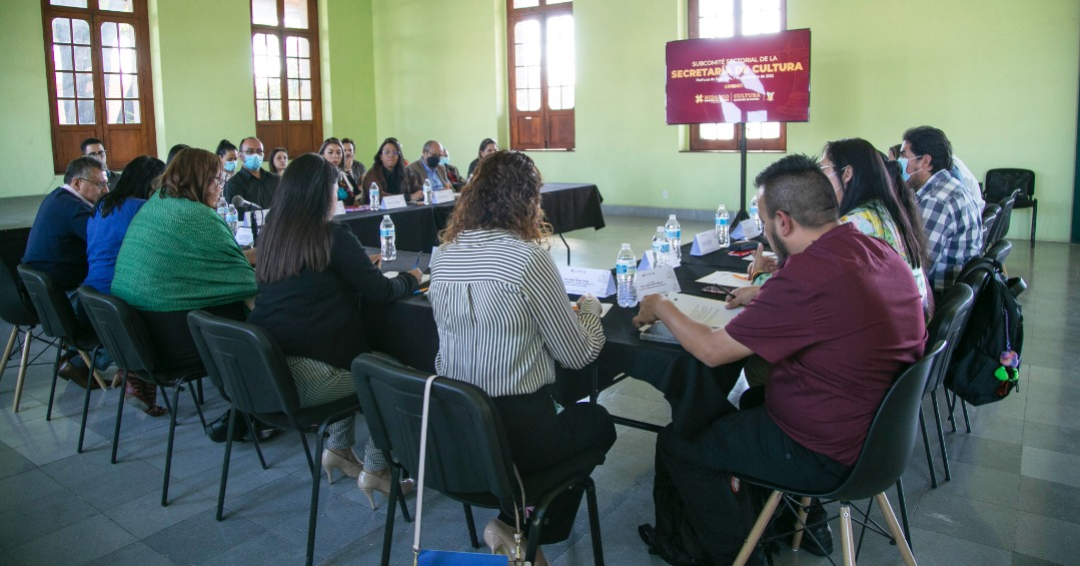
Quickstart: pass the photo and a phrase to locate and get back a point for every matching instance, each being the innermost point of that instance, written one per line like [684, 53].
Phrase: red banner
[761, 78]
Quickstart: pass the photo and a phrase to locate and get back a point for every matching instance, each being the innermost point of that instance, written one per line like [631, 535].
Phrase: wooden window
[542, 73]
[285, 58]
[97, 58]
[728, 18]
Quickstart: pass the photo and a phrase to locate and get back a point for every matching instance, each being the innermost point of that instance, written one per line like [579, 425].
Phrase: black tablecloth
[568, 207]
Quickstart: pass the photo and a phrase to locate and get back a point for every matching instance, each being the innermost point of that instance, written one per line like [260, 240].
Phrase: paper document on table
[725, 279]
[393, 274]
[604, 308]
[706, 311]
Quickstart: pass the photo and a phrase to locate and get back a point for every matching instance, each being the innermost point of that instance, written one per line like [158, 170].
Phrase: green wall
[1001, 80]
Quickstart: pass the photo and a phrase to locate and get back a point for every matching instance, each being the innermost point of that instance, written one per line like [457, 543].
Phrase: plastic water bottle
[754, 213]
[387, 237]
[222, 207]
[661, 248]
[427, 191]
[625, 273]
[674, 235]
[722, 219]
[373, 197]
[231, 218]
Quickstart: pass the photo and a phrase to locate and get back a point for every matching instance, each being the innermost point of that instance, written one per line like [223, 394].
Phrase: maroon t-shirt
[838, 323]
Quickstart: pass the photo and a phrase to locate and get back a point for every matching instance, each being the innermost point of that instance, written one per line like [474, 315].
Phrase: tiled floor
[1014, 497]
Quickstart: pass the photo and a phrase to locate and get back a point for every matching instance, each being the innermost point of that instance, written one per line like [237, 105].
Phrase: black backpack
[986, 363]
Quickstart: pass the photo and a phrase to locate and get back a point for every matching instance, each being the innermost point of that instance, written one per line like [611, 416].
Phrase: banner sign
[760, 78]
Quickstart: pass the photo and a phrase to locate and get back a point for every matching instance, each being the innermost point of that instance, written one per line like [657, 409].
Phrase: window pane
[305, 90]
[262, 112]
[717, 132]
[305, 68]
[568, 97]
[62, 58]
[294, 90]
[127, 60]
[264, 12]
[526, 3]
[110, 59]
[65, 110]
[716, 18]
[275, 110]
[65, 85]
[70, 4]
[534, 99]
[108, 35]
[61, 30]
[114, 111]
[294, 110]
[560, 59]
[305, 110]
[117, 5]
[83, 61]
[80, 32]
[753, 130]
[260, 88]
[130, 84]
[305, 49]
[290, 47]
[296, 15]
[131, 112]
[112, 87]
[555, 98]
[84, 85]
[274, 88]
[292, 68]
[127, 35]
[521, 98]
[258, 44]
[550, 2]
[86, 112]
[770, 130]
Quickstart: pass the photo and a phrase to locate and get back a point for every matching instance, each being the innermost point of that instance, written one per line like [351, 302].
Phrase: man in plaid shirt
[953, 219]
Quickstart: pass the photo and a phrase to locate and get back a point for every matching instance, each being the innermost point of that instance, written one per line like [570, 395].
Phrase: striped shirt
[503, 315]
[953, 228]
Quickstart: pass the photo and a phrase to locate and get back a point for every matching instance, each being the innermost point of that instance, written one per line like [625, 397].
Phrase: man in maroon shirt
[838, 321]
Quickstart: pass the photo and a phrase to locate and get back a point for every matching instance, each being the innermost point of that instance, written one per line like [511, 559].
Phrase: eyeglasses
[97, 153]
[220, 179]
[103, 185]
[250, 151]
[390, 153]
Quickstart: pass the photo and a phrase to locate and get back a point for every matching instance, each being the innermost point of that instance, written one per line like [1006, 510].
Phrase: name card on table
[750, 228]
[580, 280]
[648, 261]
[444, 196]
[660, 280]
[390, 202]
[705, 243]
[260, 217]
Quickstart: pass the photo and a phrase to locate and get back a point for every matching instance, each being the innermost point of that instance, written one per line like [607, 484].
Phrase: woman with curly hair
[504, 322]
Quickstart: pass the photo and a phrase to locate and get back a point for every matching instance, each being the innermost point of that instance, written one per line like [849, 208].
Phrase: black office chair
[1001, 226]
[256, 378]
[124, 335]
[1000, 183]
[999, 251]
[948, 324]
[989, 218]
[884, 457]
[59, 321]
[17, 310]
[468, 458]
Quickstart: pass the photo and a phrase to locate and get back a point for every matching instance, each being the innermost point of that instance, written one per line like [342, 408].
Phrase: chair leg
[759, 528]
[202, 398]
[225, 466]
[94, 373]
[198, 405]
[941, 436]
[847, 545]
[926, 446]
[950, 401]
[119, 416]
[169, 446]
[316, 479]
[401, 503]
[796, 539]
[967, 421]
[902, 501]
[255, 439]
[594, 523]
[86, 406]
[55, 376]
[23, 364]
[472, 526]
[894, 528]
[388, 530]
[1034, 217]
[7, 349]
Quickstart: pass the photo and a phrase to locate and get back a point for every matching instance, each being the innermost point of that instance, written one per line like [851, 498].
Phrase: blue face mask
[230, 166]
[903, 168]
[444, 161]
[253, 161]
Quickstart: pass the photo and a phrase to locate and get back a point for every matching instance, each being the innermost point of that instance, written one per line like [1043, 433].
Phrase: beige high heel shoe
[330, 460]
[500, 539]
[370, 482]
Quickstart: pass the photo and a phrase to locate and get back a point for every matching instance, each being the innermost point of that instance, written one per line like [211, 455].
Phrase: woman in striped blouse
[504, 321]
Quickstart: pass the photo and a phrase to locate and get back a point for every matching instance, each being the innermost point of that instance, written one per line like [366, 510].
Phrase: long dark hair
[399, 169]
[871, 181]
[137, 180]
[504, 194]
[298, 233]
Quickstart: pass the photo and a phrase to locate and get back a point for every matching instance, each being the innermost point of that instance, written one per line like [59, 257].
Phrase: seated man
[838, 321]
[428, 167]
[253, 183]
[94, 148]
[452, 172]
[952, 217]
[57, 242]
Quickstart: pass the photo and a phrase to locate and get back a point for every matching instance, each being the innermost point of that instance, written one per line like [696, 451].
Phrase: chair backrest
[892, 435]
[1001, 227]
[468, 457]
[120, 329]
[989, 219]
[975, 273]
[246, 363]
[58, 318]
[15, 306]
[950, 319]
[999, 252]
[1000, 183]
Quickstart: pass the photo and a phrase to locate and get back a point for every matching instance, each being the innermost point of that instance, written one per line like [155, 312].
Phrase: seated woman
[347, 192]
[487, 147]
[312, 273]
[390, 175]
[279, 159]
[104, 233]
[228, 155]
[178, 256]
[495, 290]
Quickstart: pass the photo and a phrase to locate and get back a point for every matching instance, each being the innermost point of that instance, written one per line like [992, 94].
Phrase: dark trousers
[540, 439]
[743, 442]
[171, 336]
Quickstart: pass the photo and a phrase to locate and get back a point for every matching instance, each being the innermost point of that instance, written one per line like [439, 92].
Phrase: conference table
[567, 207]
[697, 393]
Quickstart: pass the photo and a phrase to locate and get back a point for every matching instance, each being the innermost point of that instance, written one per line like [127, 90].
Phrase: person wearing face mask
[429, 168]
[229, 157]
[452, 172]
[950, 214]
[253, 183]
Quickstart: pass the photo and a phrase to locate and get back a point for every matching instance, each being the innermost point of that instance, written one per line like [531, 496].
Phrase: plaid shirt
[953, 228]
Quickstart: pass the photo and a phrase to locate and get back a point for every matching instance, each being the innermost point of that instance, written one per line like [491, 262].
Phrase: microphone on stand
[241, 204]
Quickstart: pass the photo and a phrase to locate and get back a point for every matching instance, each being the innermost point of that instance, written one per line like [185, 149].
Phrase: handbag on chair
[444, 557]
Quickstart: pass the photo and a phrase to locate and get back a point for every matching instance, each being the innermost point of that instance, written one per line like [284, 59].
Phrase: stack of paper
[725, 279]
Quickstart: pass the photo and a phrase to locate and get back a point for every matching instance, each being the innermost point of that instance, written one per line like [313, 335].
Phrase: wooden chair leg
[759, 528]
[796, 539]
[894, 528]
[93, 371]
[7, 349]
[22, 370]
[847, 543]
